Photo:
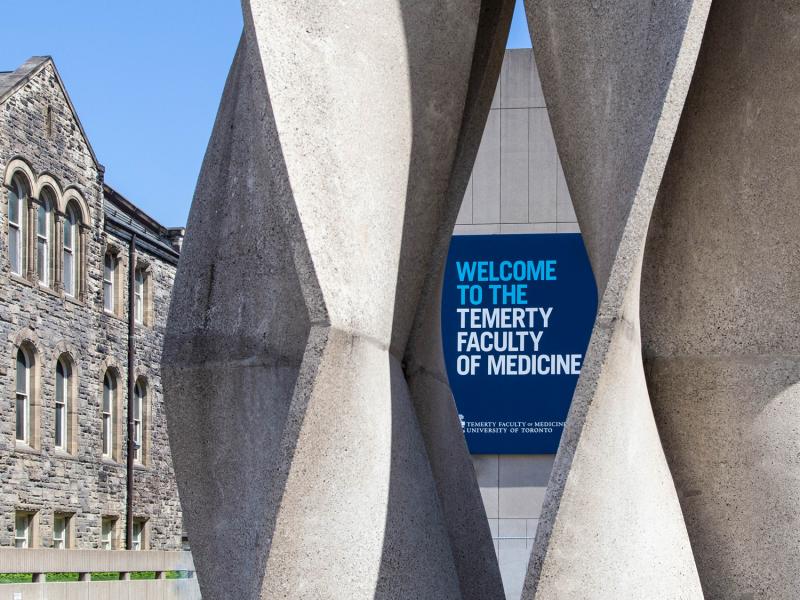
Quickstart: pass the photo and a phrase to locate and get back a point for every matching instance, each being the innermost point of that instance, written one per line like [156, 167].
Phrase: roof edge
[16, 79]
[134, 211]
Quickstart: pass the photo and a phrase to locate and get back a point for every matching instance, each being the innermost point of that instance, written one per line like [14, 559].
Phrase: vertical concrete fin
[720, 291]
[615, 76]
[457, 488]
[232, 358]
[330, 168]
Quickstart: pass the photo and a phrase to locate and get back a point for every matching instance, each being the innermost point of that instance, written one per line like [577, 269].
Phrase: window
[49, 121]
[23, 529]
[139, 296]
[108, 539]
[63, 391]
[138, 406]
[61, 533]
[43, 238]
[71, 260]
[138, 541]
[109, 274]
[109, 412]
[23, 397]
[17, 218]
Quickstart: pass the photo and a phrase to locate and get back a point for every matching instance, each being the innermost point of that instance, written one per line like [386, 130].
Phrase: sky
[146, 78]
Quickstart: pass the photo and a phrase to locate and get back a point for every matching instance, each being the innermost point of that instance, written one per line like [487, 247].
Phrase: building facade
[517, 187]
[65, 266]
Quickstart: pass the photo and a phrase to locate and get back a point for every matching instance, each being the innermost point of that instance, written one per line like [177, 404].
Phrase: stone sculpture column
[615, 76]
[720, 298]
[302, 368]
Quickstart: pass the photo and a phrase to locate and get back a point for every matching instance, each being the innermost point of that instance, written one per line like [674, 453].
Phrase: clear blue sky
[146, 78]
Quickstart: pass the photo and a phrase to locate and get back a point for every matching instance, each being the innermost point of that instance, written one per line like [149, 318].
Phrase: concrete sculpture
[316, 446]
[720, 290]
[723, 382]
[615, 76]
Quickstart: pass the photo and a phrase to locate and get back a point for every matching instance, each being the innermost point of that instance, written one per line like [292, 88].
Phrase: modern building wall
[517, 186]
[43, 145]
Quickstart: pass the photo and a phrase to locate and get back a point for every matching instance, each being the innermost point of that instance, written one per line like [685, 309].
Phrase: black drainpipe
[131, 385]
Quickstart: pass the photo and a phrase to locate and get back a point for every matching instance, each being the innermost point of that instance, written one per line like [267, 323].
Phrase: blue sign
[517, 314]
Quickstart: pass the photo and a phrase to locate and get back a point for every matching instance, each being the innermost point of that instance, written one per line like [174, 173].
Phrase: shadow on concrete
[438, 177]
[232, 359]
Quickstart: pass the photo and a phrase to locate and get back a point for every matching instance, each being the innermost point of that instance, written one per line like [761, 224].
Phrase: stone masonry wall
[82, 482]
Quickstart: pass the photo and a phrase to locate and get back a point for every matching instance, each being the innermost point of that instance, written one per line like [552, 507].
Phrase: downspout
[131, 385]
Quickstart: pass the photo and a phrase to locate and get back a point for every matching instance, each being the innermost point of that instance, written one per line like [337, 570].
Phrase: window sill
[63, 454]
[73, 300]
[107, 460]
[48, 290]
[23, 448]
[20, 279]
[113, 315]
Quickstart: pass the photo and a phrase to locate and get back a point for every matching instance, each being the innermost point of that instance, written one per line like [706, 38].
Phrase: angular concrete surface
[316, 445]
[614, 76]
[720, 297]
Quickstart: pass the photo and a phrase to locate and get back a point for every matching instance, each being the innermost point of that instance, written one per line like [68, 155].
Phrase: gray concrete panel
[514, 166]
[486, 473]
[486, 173]
[535, 94]
[496, 95]
[523, 481]
[567, 228]
[516, 79]
[543, 171]
[528, 228]
[565, 213]
[465, 212]
[482, 229]
[513, 553]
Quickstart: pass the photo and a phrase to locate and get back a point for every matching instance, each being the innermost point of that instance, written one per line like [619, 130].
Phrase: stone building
[65, 261]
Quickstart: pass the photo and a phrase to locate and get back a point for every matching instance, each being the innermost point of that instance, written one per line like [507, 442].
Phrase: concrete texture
[720, 291]
[316, 445]
[614, 76]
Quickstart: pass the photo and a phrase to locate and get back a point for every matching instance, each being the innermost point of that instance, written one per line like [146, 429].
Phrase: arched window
[71, 251]
[109, 282]
[138, 420]
[23, 396]
[43, 227]
[63, 402]
[109, 412]
[17, 224]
